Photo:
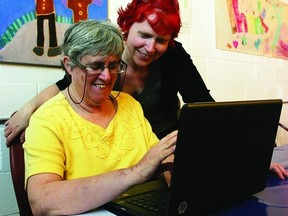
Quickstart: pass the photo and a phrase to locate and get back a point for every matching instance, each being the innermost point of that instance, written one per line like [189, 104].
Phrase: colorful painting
[257, 27]
[31, 31]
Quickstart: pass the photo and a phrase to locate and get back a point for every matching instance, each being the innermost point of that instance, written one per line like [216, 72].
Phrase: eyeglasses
[98, 67]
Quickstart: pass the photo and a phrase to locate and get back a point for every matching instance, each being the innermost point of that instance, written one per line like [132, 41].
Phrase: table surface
[272, 201]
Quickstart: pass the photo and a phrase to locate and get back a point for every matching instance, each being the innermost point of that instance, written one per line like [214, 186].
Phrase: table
[272, 201]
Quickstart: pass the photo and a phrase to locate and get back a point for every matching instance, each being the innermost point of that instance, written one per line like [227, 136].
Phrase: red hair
[166, 19]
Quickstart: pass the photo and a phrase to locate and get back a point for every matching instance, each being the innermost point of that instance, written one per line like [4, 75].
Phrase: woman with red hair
[158, 68]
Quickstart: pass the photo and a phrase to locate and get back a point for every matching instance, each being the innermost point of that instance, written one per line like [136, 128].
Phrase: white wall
[229, 76]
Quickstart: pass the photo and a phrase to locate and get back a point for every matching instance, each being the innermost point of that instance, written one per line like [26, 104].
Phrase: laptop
[223, 154]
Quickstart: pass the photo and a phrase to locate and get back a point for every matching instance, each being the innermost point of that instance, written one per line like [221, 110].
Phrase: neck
[100, 114]
[86, 110]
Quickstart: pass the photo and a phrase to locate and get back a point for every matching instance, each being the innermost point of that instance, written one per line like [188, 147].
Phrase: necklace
[83, 92]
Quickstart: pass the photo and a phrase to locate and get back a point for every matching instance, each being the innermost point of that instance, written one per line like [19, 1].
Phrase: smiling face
[97, 86]
[144, 45]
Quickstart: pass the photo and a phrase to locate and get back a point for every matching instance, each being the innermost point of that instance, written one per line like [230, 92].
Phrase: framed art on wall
[31, 31]
[258, 27]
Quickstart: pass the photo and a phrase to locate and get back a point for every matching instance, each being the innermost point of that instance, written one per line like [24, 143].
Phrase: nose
[150, 45]
[105, 74]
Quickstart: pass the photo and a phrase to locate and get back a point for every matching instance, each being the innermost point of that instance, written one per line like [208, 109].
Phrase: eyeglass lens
[97, 68]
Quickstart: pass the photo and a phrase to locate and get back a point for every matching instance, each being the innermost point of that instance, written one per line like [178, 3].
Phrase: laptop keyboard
[155, 201]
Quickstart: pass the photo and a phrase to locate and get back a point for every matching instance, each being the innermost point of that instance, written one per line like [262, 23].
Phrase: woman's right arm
[49, 194]
[19, 120]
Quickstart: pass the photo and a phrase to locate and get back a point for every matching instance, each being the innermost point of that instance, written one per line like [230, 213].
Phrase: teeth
[145, 56]
[101, 86]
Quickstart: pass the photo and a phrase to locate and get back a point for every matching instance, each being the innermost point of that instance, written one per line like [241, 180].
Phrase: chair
[18, 172]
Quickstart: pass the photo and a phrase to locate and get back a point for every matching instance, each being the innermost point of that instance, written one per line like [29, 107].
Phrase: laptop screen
[223, 154]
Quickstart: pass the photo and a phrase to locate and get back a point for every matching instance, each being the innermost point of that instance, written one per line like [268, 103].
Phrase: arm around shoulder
[19, 120]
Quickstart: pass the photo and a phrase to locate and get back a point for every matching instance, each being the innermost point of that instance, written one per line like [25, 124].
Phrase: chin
[143, 62]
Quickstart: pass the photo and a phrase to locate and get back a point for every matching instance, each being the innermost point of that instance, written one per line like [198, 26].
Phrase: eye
[144, 35]
[113, 66]
[96, 66]
[162, 40]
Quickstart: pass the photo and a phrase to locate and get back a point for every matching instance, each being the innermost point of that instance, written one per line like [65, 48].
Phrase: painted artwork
[258, 27]
[31, 31]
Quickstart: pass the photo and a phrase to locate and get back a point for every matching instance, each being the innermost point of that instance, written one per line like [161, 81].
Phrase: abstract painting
[258, 27]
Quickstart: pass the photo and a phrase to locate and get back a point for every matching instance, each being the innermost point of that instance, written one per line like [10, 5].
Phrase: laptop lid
[222, 156]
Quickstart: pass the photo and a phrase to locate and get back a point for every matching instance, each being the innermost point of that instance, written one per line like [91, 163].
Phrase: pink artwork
[257, 27]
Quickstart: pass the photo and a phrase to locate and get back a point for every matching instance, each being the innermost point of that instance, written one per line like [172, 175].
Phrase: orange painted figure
[80, 8]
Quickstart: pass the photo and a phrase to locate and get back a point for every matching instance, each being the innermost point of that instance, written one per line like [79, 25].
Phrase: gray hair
[91, 37]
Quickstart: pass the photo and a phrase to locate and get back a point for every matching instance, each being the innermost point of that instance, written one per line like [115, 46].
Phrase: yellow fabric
[59, 141]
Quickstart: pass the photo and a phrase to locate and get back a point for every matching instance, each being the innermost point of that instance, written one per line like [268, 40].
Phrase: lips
[144, 56]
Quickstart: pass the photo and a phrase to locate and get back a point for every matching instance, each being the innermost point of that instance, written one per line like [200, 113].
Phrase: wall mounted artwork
[258, 27]
[32, 30]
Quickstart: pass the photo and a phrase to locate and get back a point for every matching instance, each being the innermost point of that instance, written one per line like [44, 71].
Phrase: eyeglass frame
[89, 69]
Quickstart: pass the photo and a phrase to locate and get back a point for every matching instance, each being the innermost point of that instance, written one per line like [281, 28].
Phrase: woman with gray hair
[88, 144]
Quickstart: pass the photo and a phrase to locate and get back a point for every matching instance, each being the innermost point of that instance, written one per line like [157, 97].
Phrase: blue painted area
[97, 12]
[12, 10]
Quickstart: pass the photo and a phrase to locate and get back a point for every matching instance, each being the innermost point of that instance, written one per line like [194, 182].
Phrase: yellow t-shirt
[60, 141]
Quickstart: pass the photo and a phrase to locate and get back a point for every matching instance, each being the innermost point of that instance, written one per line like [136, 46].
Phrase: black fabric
[177, 74]
[63, 83]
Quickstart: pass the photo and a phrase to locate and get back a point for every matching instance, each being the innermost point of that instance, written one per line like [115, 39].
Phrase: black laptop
[222, 156]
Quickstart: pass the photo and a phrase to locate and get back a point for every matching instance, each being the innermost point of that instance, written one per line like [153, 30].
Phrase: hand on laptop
[279, 170]
[151, 161]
